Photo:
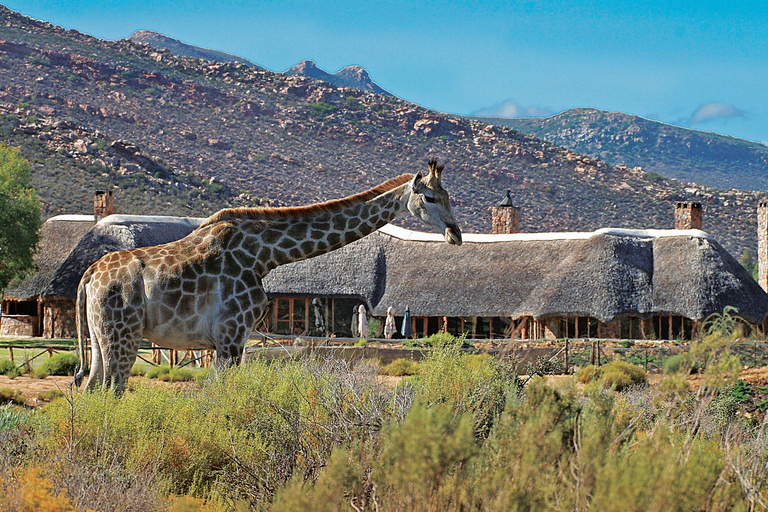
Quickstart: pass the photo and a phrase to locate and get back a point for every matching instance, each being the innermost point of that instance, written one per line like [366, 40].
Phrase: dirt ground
[32, 388]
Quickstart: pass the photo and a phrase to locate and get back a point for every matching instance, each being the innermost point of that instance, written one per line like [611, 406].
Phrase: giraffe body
[205, 291]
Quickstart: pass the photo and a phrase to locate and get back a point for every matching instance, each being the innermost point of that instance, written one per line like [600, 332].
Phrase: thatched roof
[603, 274]
[58, 237]
[71, 243]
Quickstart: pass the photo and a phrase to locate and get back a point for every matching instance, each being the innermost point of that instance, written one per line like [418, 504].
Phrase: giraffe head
[429, 202]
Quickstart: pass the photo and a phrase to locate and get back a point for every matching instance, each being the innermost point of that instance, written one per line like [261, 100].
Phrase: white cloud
[509, 108]
[714, 111]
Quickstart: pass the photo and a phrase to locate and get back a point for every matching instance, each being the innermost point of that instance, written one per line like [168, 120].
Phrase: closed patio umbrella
[407, 329]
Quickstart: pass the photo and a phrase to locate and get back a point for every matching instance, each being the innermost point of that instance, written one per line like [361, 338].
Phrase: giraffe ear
[416, 184]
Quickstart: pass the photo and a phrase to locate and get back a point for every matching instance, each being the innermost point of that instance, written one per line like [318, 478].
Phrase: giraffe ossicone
[204, 291]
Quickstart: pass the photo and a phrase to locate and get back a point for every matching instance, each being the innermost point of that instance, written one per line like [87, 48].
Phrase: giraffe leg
[229, 350]
[120, 360]
[96, 375]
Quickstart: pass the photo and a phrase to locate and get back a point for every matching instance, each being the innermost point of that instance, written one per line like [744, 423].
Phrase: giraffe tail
[81, 322]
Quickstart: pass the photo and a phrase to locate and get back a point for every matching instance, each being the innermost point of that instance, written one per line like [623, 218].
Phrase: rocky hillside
[350, 76]
[176, 47]
[177, 135]
[687, 155]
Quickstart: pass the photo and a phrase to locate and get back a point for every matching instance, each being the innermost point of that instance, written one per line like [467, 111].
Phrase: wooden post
[592, 354]
[566, 356]
[598, 354]
[646, 359]
[173, 357]
[50, 352]
[10, 351]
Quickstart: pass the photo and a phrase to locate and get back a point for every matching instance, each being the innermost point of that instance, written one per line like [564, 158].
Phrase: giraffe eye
[429, 199]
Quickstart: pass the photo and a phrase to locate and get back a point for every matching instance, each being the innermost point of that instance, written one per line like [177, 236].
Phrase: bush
[38, 373]
[588, 374]
[9, 369]
[674, 364]
[443, 339]
[401, 367]
[175, 374]
[617, 374]
[50, 395]
[14, 396]
[263, 421]
[620, 375]
[62, 363]
[477, 384]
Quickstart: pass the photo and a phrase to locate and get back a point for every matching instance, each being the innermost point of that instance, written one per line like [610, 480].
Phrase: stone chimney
[103, 204]
[505, 218]
[687, 215]
[762, 244]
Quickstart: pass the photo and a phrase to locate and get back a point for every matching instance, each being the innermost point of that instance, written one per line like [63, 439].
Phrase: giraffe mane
[313, 209]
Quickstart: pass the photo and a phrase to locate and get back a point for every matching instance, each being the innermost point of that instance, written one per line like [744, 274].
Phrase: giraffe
[204, 291]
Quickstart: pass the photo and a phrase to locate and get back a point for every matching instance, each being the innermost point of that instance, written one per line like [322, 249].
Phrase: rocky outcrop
[354, 77]
[176, 47]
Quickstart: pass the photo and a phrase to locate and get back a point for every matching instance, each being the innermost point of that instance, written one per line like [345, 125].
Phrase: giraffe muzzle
[453, 235]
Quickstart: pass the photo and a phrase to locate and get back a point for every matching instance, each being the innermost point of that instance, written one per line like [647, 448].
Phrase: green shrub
[38, 373]
[175, 374]
[588, 374]
[321, 110]
[263, 421]
[675, 364]
[50, 395]
[620, 375]
[617, 374]
[400, 367]
[477, 384]
[11, 395]
[138, 371]
[9, 369]
[6, 365]
[442, 339]
[61, 363]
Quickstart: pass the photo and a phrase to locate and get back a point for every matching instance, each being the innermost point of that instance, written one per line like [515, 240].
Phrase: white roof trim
[71, 218]
[151, 219]
[420, 236]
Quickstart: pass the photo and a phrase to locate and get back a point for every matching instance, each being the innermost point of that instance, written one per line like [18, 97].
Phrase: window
[20, 308]
[671, 327]
[629, 328]
[291, 316]
[578, 327]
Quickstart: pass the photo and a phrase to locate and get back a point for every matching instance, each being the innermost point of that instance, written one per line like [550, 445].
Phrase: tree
[20, 219]
[747, 261]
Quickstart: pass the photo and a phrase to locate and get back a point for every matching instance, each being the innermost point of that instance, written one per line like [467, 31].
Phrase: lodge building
[610, 283]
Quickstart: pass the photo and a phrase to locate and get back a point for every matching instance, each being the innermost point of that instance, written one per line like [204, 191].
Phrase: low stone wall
[520, 356]
[384, 354]
[19, 325]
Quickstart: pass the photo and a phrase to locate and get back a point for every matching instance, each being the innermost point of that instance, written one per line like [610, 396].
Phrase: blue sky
[700, 64]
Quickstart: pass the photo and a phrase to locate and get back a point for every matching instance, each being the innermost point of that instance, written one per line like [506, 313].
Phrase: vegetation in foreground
[463, 433]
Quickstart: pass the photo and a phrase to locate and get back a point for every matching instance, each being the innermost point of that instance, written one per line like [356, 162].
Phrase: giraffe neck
[294, 239]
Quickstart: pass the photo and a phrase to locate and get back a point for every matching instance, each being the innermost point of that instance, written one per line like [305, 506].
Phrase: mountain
[161, 42]
[173, 135]
[680, 153]
[350, 76]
